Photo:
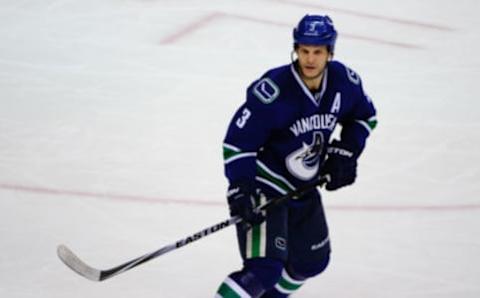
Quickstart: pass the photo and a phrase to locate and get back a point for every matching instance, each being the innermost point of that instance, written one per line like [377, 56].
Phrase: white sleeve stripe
[275, 175]
[231, 147]
[271, 184]
[239, 156]
[364, 124]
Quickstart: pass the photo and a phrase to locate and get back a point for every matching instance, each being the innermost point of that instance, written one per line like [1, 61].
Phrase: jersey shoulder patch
[352, 76]
[346, 72]
[266, 90]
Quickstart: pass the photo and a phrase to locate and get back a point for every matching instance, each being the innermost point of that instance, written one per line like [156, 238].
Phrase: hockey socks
[286, 286]
[240, 285]
[258, 275]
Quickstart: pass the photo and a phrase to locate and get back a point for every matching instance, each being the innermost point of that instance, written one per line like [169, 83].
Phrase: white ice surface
[112, 115]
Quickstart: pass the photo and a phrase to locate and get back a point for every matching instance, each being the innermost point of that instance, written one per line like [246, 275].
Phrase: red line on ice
[204, 21]
[156, 200]
[397, 208]
[351, 36]
[190, 28]
[101, 195]
[367, 15]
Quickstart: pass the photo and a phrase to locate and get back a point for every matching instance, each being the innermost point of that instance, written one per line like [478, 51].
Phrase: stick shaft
[77, 265]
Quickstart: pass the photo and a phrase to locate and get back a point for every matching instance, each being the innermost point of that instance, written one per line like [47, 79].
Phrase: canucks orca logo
[303, 163]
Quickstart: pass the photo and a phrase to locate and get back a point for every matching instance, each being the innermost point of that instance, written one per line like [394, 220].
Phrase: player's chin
[311, 73]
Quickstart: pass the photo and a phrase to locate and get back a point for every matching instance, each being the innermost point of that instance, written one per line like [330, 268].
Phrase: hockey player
[279, 140]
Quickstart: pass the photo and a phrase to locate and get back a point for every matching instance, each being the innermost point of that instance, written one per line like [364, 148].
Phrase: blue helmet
[315, 30]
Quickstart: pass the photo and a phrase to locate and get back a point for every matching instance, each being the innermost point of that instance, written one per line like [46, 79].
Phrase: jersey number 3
[242, 120]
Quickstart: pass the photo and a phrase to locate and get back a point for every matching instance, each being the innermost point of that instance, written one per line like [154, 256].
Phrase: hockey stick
[80, 267]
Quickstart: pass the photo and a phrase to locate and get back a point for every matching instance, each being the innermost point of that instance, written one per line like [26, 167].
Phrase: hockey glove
[242, 200]
[340, 168]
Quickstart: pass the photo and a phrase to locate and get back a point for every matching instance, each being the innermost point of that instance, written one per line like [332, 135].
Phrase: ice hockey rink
[112, 116]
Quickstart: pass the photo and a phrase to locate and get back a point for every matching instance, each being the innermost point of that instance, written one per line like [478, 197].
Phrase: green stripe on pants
[256, 234]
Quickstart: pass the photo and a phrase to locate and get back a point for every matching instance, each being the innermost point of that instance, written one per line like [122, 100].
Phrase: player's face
[312, 60]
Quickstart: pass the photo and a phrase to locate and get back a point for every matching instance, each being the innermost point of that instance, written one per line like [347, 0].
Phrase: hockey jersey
[278, 138]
